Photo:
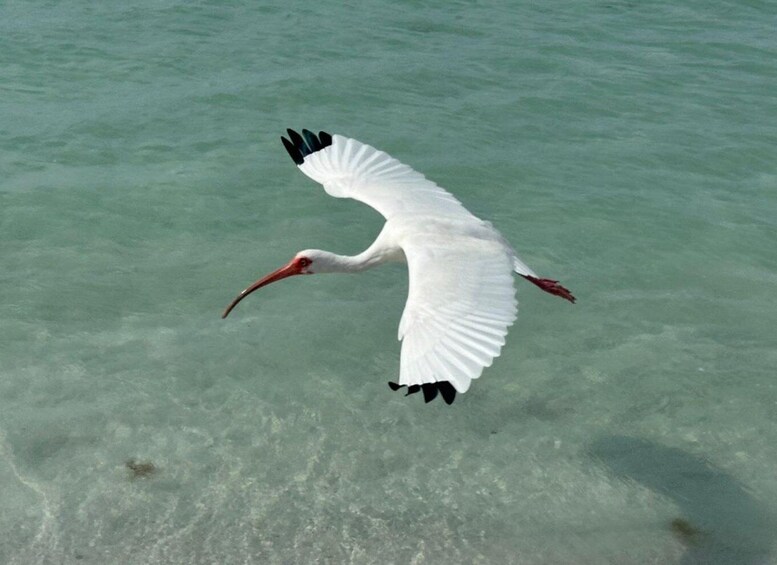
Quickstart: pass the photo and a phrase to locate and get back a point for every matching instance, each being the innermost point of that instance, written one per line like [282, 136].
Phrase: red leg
[551, 286]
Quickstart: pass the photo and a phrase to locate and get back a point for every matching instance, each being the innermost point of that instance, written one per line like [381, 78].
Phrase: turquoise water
[627, 149]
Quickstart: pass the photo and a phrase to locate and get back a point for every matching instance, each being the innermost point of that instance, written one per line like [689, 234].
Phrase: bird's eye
[304, 262]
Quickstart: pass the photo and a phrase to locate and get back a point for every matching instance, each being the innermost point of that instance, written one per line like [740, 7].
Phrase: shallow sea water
[625, 148]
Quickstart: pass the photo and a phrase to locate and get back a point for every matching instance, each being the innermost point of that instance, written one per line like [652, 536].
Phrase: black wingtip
[293, 152]
[300, 146]
[311, 140]
[447, 391]
[430, 390]
[299, 143]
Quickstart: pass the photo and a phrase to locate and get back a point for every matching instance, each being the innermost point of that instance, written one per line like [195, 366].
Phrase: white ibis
[461, 298]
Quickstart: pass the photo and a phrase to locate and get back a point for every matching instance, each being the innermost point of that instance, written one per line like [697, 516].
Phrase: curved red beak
[293, 268]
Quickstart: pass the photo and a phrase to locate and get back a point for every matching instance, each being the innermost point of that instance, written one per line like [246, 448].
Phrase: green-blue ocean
[627, 149]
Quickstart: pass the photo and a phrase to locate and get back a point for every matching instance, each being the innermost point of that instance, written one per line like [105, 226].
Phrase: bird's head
[305, 262]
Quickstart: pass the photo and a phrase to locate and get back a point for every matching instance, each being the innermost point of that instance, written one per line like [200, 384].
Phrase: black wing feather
[447, 391]
[294, 153]
[312, 141]
[300, 146]
[326, 139]
[299, 143]
[430, 391]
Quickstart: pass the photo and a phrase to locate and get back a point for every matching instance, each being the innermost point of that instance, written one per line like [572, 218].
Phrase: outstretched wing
[350, 169]
[460, 303]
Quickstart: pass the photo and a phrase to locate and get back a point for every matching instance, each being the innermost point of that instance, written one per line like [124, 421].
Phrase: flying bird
[461, 298]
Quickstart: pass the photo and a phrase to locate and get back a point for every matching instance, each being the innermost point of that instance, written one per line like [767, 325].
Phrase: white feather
[351, 169]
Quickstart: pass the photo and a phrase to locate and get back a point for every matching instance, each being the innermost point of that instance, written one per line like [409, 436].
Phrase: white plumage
[461, 298]
[351, 169]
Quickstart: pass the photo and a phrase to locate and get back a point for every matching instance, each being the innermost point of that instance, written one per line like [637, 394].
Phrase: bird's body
[461, 298]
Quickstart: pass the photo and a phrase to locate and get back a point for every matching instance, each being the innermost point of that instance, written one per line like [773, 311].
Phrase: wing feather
[350, 169]
[460, 303]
